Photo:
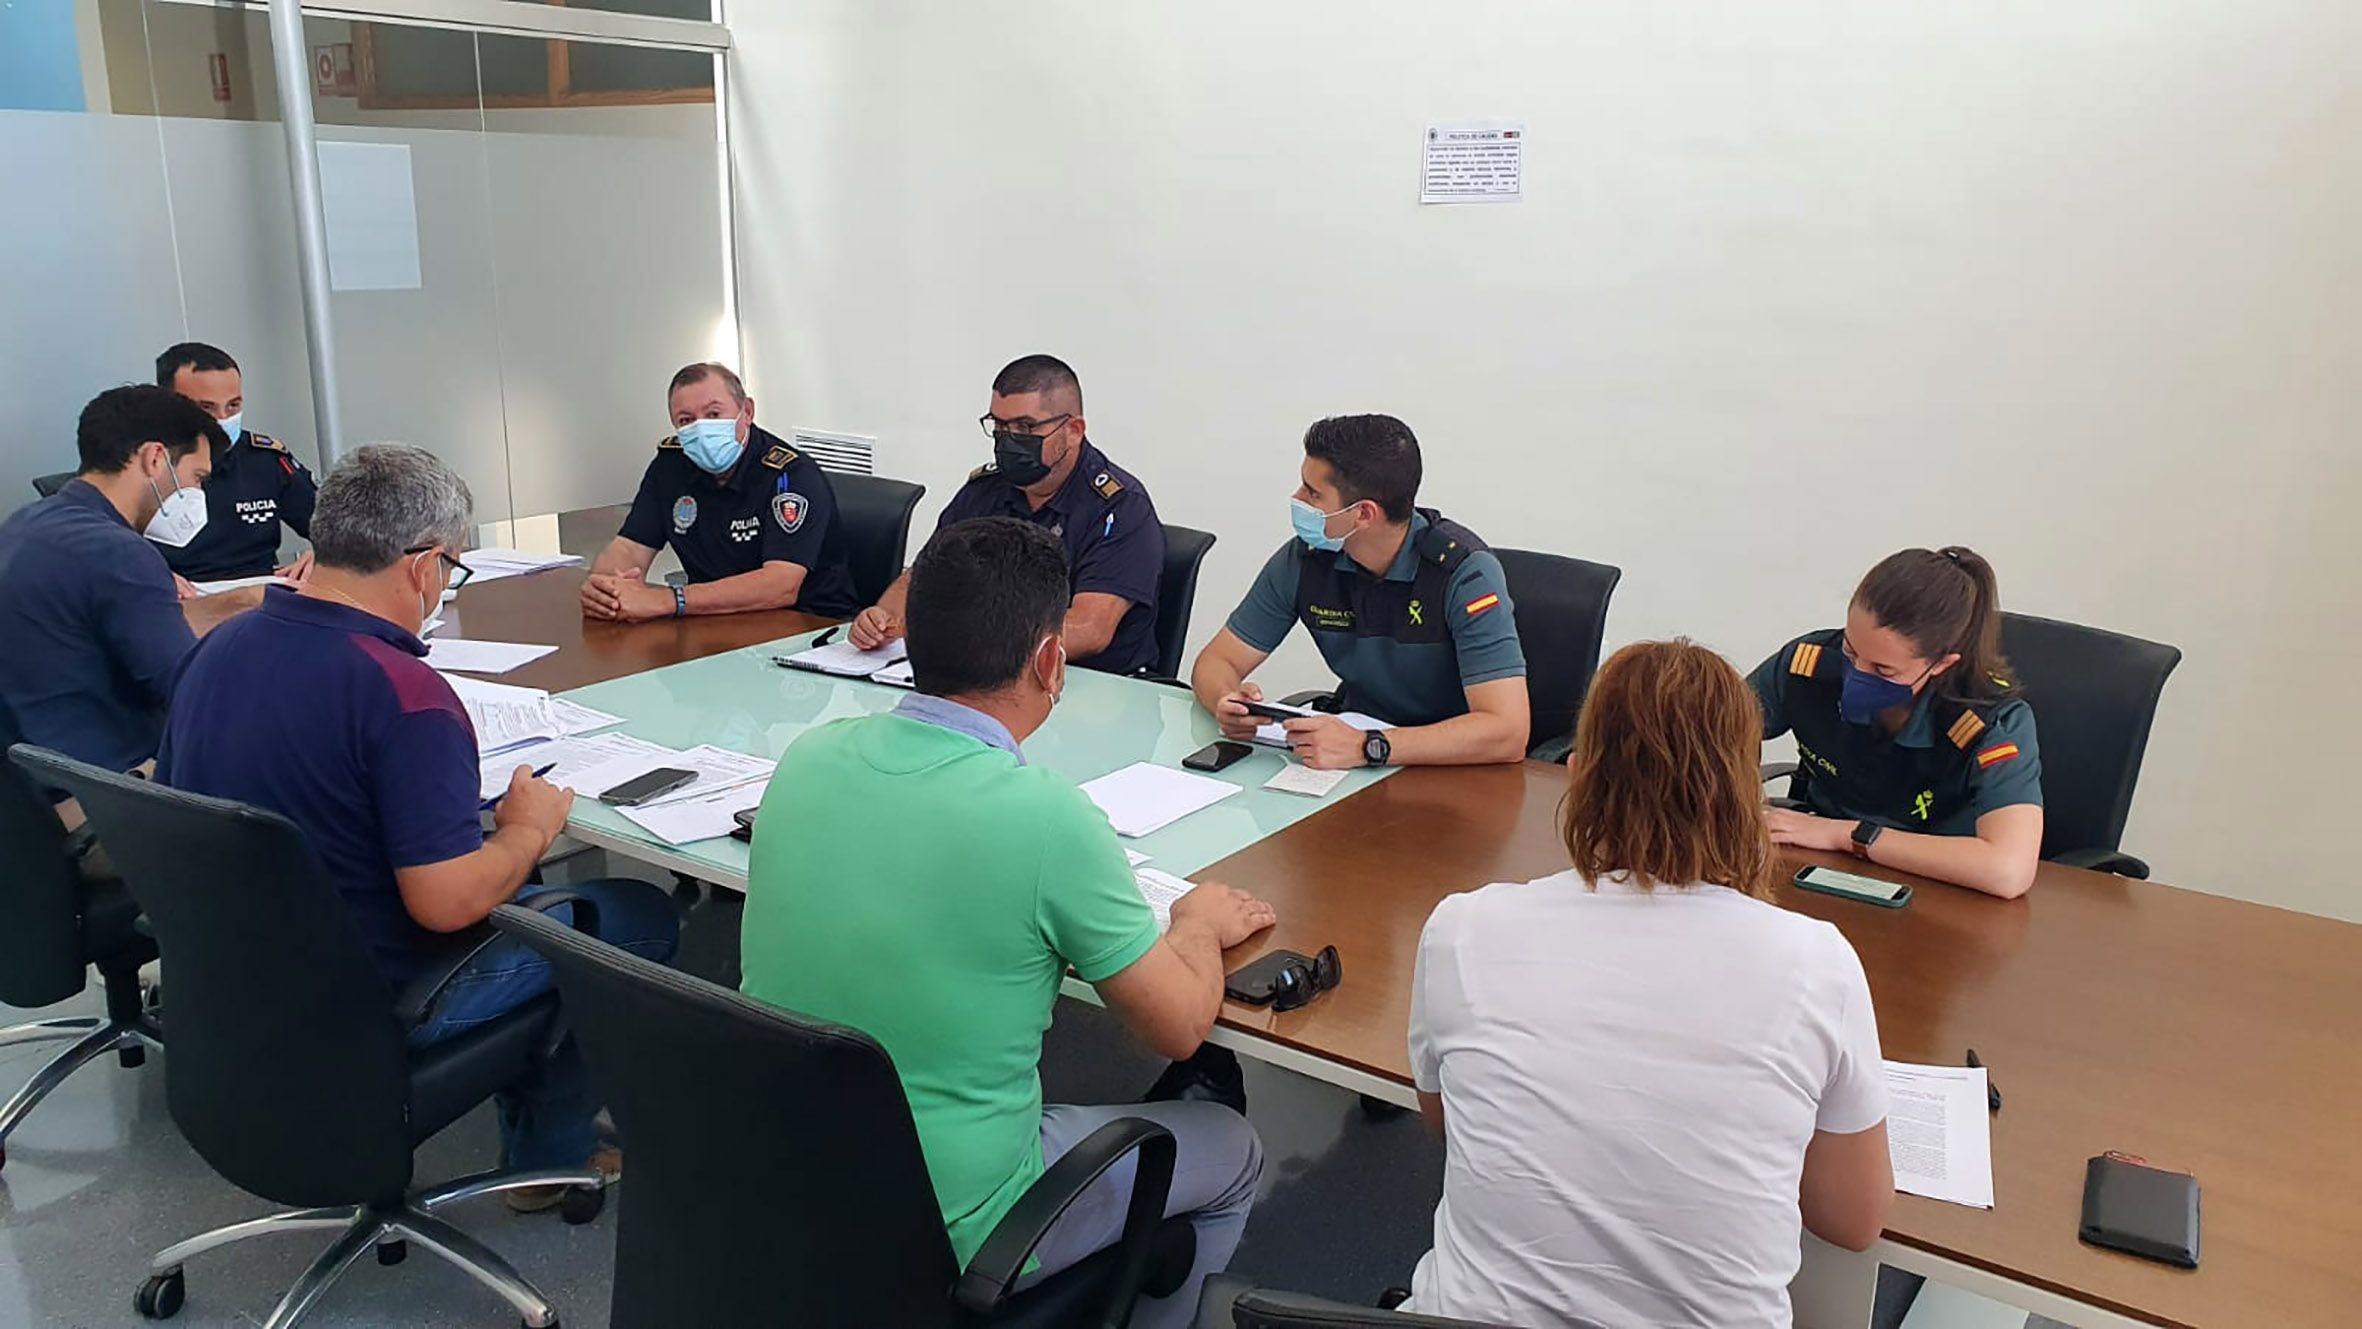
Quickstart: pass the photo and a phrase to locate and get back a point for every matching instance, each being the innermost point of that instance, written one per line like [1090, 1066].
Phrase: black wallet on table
[2141, 1210]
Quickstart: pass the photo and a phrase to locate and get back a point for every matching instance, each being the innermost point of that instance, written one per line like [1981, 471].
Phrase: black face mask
[1019, 457]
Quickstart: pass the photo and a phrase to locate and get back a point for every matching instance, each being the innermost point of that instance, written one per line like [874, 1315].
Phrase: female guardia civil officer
[1913, 747]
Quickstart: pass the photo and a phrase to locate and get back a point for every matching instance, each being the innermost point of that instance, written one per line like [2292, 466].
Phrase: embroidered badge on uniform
[790, 509]
[1481, 603]
[684, 514]
[1998, 753]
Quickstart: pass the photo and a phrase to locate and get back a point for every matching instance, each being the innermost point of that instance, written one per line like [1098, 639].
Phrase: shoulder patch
[264, 441]
[789, 509]
[1997, 754]
[1806, 660]
[1107, 485]
[1964, 731]
[987, 469]
[672, 441]
[779, 456]
[1480, 604]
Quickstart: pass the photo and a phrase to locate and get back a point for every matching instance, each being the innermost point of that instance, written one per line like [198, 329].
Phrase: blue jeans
[545, 1118]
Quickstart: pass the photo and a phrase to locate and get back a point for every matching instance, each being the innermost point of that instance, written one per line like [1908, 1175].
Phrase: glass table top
[742, 701]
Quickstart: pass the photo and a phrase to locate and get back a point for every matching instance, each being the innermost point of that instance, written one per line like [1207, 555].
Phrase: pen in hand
[494, 801]
[1992, 1090]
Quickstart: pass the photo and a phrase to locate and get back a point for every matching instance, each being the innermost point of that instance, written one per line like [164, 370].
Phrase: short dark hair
[700, 372]
[983, 594]
[1046, 374]
[190, 355]
[119, 420]
[1374, 457]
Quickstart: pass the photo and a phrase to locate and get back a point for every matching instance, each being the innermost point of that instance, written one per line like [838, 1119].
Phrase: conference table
[2205, 1034]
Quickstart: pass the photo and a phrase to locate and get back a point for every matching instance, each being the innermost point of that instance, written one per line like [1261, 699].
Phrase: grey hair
[385, 500]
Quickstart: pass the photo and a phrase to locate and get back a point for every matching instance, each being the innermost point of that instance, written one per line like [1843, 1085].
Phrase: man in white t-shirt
[1646, 1090]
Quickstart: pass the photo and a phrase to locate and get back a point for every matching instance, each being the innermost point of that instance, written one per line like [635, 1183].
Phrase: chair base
[128, 1037]
[389, 1229]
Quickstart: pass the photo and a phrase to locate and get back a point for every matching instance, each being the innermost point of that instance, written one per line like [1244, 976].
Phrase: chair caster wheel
[160, 1296]
[132, 1057]
[392, 1252]
[582, 1204]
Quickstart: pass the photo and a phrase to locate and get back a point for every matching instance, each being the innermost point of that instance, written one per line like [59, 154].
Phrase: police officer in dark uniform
[1046, 470]
[1913, 747]
[753, 520]
[257, 484]
[1408, 607]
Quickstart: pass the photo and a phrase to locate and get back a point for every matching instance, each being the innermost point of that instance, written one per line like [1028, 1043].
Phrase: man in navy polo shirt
[91, 624]
[374, 759]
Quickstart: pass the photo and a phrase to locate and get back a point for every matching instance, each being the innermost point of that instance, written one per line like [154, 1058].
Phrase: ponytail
[1945, 601]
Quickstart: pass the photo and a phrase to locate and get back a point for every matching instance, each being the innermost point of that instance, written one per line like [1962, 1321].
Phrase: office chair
[288, 1071]
[1561, 617]
[2094, 695]
[777, 1178]
[57, 919]
[875, 513]
[1231, 1302]
[1176, 594]
[46, 485]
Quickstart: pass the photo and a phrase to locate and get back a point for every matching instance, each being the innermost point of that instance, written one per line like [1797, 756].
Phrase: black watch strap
[1866, 833]
[1375, 749]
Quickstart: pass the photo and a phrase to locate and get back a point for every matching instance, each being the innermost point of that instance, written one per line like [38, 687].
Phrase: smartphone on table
[1217, 755]
[640, 788]
[1853, 886]
[745, 829]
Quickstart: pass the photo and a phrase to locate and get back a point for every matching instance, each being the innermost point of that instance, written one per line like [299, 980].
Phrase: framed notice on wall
[1473, 161]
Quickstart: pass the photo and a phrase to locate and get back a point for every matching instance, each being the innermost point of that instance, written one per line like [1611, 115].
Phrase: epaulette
[1107, 485]
[264, 441]
[988, 468]
[780, 457]
[1441, 548]
[1805, 660]
[672, 441]
[1966, 730]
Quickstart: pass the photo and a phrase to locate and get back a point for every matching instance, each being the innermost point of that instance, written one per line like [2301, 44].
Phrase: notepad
[1294, 779]
[842, 659]
[1939, 1132]
[1144, 798]
[482, 657]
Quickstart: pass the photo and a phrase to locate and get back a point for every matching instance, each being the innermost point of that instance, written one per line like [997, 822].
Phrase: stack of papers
[685, 820]
[509, 717]
[585, 765]
[1273, 734]
[1161, 889]
[482, 657]
[1939, 1134]
[1144, 798]
[238, 583]
[888, 664]
[493, 564]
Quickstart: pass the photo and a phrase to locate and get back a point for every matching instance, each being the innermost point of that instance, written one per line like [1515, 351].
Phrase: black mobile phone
[1254, 983]
[1850, 886]
[640, 788]
[1263, 710]
[745, 830]
[1218, 754]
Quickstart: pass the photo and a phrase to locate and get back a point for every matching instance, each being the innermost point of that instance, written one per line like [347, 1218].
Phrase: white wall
[1794, 285]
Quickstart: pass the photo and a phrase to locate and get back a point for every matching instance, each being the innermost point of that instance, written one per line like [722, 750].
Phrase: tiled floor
[98, 1180]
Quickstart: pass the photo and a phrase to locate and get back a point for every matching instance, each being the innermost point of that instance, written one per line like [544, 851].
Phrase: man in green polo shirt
[946, 940]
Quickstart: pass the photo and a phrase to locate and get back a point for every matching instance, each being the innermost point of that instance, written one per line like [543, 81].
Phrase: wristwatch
[1375, 749]
[1866, 833]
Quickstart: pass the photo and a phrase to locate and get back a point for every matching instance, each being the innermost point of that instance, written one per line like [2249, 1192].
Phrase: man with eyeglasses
[375, 761]
[1046, 470]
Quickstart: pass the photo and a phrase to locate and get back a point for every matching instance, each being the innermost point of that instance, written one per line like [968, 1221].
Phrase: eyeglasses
[461, 573]
[1297, 982]
[1021, 425]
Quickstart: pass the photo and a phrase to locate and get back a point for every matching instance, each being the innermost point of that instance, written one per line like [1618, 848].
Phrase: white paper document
[843, 660]
[1477, 161]
[1295, 779]
[717, 769]
[1161, 889]
[491, 564]
[482, 657]
[896, 675]
[575, 718]
[1144, 798]
[707, 816]
[238, 583]
[1939, 1132]
[1275, 735]
[588, 766]
[1135, 857]
[504, 716]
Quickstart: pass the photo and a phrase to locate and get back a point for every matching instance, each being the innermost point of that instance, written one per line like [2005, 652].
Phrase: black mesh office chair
[1176, 594]
[875, 513]
[288, 1071]
[1233, 1303]
[2094, 695]
[56, 922]
[45, 485]
[1561, 618]
[777, 1178]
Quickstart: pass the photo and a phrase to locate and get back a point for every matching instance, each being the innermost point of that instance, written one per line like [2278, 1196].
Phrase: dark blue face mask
[1865, 694]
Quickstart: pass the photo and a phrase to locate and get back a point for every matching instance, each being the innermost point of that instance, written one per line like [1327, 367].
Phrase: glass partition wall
[526, 230]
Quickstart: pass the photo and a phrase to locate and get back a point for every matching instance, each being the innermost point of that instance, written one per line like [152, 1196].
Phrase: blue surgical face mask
[712, 444]
[233, 425]
[1864, 694]
[1312, 525]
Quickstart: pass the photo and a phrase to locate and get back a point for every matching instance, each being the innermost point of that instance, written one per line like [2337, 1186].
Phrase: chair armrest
[2104, 860]
[1001, 1259]
[1777, 770]
[1552, 750]
[417, 1000]
[1314, 700]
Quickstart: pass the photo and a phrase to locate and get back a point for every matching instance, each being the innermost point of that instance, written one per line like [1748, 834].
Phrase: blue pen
[491, 802]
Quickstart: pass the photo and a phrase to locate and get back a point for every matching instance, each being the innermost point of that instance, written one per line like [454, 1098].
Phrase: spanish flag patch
[1480, 604]
[1998, 753]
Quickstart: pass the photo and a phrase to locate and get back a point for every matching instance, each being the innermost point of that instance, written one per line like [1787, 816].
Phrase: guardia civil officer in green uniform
[753, 520]
[1916, 751]
[1408, 607]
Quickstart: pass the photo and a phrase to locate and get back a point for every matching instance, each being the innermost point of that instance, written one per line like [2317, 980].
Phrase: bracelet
[680, 602]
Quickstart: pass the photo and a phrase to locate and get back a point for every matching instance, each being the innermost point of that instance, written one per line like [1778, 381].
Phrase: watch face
[1375, 748]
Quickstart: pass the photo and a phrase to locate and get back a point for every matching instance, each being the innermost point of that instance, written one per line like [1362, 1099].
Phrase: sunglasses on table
[1298, 981]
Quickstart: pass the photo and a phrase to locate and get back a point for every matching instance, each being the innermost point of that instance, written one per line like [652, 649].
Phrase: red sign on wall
[219, 65]
[332, 71]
